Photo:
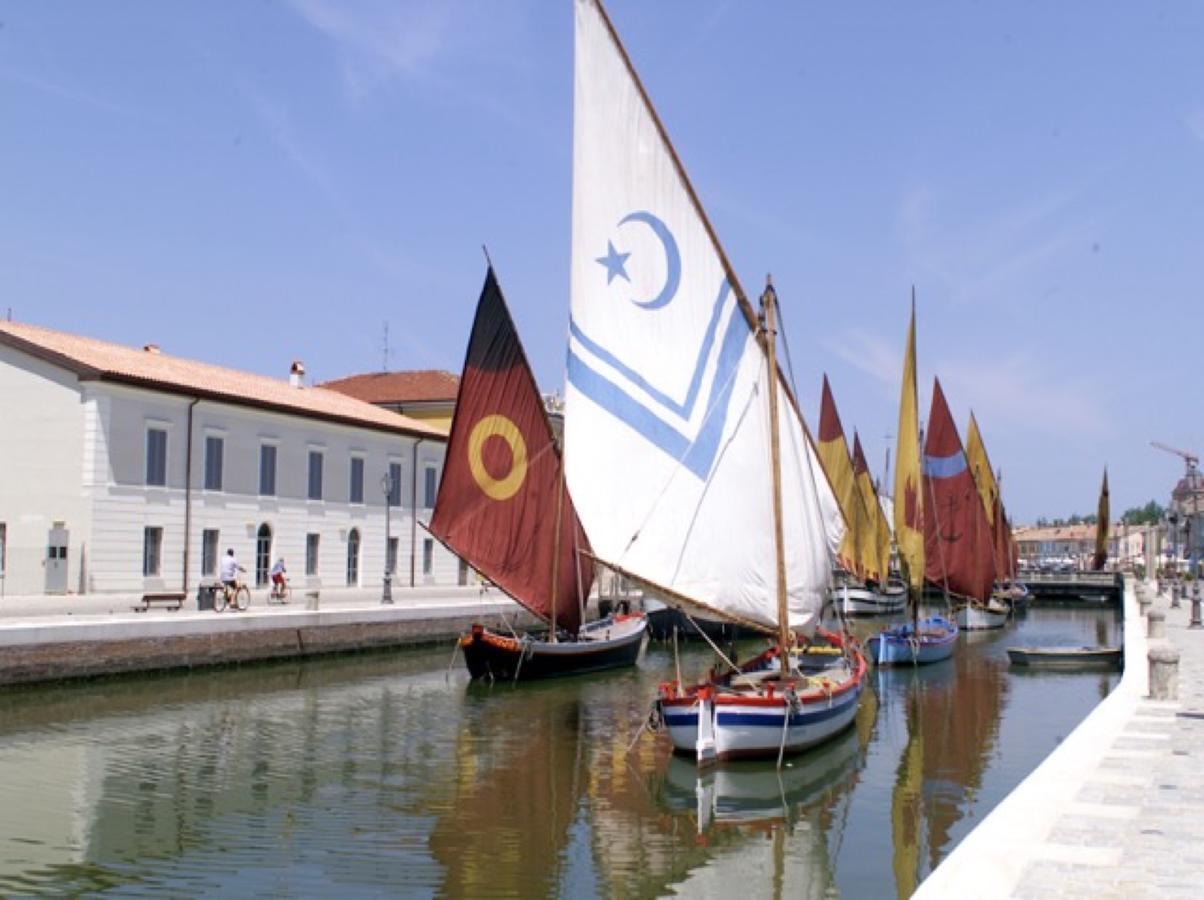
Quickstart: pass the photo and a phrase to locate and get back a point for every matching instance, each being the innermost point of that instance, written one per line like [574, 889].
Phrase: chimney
[150, 348]
[296, 374]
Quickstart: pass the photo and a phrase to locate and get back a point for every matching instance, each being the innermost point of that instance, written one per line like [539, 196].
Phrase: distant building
[1075, 544]
[125, 469]
[427, 395]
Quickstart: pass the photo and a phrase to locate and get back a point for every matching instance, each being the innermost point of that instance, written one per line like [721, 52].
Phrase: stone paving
[1118, 809]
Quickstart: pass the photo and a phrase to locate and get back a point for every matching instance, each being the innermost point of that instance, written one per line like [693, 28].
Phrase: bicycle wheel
[221, 598]
[242, 597]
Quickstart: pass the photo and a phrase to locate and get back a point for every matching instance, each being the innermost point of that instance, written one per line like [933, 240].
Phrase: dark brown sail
[498, 501]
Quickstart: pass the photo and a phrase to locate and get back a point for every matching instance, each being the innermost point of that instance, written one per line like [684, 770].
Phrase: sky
[248, 183]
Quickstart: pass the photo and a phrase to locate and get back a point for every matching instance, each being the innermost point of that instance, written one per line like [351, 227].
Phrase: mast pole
[556, 544]
[768, 303]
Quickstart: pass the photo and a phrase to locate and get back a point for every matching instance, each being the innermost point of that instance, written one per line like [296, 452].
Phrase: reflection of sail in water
[952, 725]
[506, 828]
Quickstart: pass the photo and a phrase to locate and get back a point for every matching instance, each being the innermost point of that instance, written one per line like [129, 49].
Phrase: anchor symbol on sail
[951, 536]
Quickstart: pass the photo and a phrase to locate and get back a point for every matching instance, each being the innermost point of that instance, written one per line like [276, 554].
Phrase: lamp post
[386, 487]
[1172, 527]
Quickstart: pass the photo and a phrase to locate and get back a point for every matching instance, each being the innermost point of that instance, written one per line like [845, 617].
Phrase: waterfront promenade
[46, 638]
[1117, 810]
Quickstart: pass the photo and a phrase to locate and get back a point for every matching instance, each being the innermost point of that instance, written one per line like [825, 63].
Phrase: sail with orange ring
[502, 491]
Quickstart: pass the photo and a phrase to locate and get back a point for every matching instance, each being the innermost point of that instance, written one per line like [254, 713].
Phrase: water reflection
[377, 774]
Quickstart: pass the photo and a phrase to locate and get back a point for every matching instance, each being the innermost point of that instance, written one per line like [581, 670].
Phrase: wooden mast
[556, 544]
[768, 302]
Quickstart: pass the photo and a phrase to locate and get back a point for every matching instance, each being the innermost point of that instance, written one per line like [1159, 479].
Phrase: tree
[1150, 514]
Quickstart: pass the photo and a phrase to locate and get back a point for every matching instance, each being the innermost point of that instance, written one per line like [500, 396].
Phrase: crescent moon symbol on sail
[672, 259]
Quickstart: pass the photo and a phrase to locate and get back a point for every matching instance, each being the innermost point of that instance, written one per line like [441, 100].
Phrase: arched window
[263, 554]
[353, 558]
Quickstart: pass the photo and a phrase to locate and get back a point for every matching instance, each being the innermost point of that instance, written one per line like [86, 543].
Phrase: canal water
[384, 774]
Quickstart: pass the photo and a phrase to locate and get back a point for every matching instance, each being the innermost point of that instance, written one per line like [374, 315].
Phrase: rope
[452, 662]
[707, 638]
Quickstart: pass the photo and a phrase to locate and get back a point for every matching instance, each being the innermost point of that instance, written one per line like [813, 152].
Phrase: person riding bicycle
[229, 571]
[279, 581]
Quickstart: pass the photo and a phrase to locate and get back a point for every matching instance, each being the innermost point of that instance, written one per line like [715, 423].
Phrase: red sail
[498, 498]
[957, 535]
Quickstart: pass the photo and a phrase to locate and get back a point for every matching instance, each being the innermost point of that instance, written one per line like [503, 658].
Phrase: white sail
[666, 417]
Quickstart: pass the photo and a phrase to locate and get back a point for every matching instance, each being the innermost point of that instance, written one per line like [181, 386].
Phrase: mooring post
[1195, 608]
[1174, 595]
[1143, 603]
[1164, 672]
[1157, 624]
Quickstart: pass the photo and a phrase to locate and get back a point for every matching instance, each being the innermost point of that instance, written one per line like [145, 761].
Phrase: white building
[126, 469]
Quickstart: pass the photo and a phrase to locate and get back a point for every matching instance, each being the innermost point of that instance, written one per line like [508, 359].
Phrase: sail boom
[676, 598]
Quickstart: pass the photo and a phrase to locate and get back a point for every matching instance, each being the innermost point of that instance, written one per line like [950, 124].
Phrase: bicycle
[280, 593]
[238, 596]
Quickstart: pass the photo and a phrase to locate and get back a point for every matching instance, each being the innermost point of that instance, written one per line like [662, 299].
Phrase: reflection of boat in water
[758, 791]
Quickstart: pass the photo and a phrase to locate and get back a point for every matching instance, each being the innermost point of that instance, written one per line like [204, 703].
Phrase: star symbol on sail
[615, 263]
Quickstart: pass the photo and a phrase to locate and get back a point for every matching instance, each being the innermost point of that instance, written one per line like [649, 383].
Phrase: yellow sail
[980, 466]
[856, 552]
[878, 531]
[909, 528]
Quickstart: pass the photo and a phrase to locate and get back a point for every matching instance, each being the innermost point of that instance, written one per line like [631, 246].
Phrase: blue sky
[248, 183]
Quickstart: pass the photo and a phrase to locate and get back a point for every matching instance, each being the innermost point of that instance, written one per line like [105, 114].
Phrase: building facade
[127, 470]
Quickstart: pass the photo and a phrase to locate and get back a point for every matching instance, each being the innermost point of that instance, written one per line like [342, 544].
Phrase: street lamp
[386, 487]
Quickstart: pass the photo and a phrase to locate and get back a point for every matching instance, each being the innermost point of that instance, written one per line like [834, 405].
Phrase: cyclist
[229, 572]
[278, 578]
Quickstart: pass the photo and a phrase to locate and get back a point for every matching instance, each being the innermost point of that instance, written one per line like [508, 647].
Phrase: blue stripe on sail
[696, 455]
[682, 409]
[944, 466]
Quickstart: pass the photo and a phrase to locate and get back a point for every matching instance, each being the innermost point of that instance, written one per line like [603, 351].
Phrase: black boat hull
[661, 623]
[504, 658]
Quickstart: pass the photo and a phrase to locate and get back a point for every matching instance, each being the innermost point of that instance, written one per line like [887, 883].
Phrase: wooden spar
[768, 301]
[679, 599]
[556, 543]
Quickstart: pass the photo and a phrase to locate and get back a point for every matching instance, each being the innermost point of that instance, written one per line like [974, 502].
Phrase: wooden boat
[929, 640]
[756, 712]
[610, 643]
[981, 616]
[503, 508]
[665, 621]
[1067, 657]
[680, 454]
[860, 599]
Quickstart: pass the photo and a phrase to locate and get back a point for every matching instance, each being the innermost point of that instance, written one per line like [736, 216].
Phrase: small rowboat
[1067, 657]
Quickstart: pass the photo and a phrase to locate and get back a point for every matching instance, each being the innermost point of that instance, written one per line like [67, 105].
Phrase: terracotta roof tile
[94, 359]
[427, 385]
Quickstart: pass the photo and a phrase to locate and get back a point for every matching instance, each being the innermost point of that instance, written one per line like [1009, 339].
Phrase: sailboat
[695, 479]
[1008, 589]
[503, 508]
[862, 560]
[933, 638]
[957, 534]
[891, 590]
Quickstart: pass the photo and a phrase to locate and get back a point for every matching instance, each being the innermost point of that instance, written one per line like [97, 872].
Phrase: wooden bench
[170, 599]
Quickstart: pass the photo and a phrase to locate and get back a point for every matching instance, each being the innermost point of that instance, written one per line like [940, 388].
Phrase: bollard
[1157, 624]
[311, 601]
[1195, 612]
[1143, 604]
[1164, 672]
[1174, 595]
